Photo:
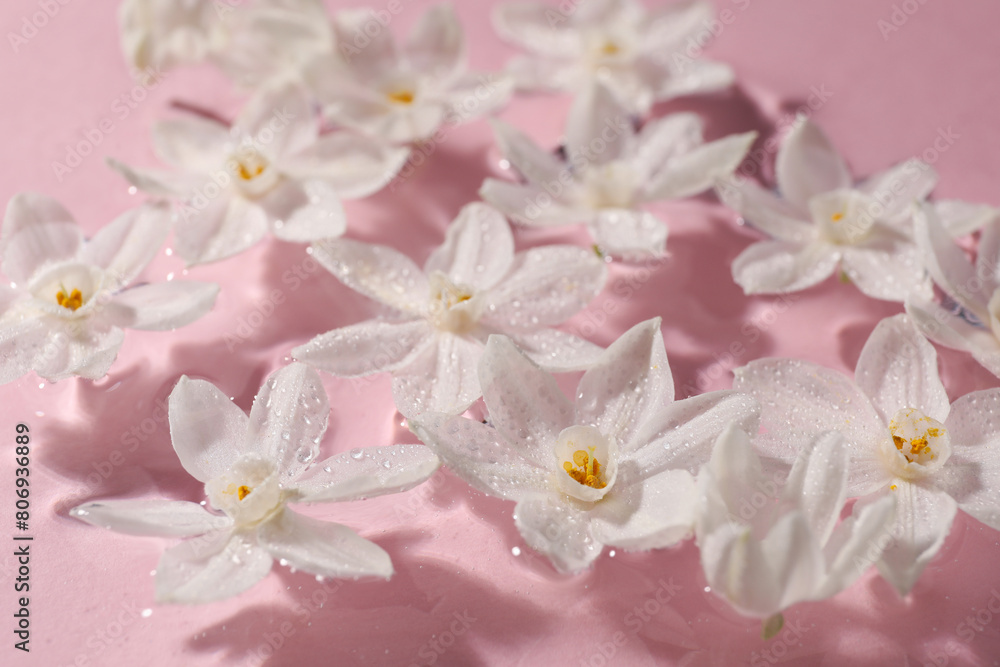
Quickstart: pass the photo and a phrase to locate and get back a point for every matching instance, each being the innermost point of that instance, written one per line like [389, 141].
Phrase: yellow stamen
[893, 487]
[251, 173]
[587, 470]
[610, 49]
[401, 97]
[243, 492]
[73, 301]
[837, 217]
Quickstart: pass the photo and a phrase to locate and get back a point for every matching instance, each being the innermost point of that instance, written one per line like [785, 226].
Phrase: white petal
[530, 25]
[886, 267]
[682, 434]
[557, 530]
[475, 452]
[378, 272]
[36, 230]
[800, 399]
[548, 74]
[698, 77]
[367, 347]
[531, 205]
[961, 218]
[288, 419]
[779, 267]
[166, 518]
[663, 139]
[525, 403]
[323, 548]
[353, 165]
[972, 474]
[948, 265]
[209, 568]
[545, 287]
[898, 187]
[533, 162]
[556, 351]
[441, 379]
[856, 544]
[898, 369]
[949, 330]
[366, 473]
[372, 58]
[156, 182]
[224, 227]
[478, 249]
[89, 352]
[817, 483]
[923, 519]
[737, 570]
[988, 256]
[628, 386]
[654, 513]
[477, 94]
[727, 482]
[697, 170]
[625, 233]
[20, 344]
[807, 165]
[597, 118]
[207, 429]
[124, 247]
[765, 211]
[162, 306]
[793, 553]
[279, 119]
[304, 212]
[436, 46]
[192, 143]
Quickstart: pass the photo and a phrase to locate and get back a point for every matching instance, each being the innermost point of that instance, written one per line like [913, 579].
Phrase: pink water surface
[458, 584]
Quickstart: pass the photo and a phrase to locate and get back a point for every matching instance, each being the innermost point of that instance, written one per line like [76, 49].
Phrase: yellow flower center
[249, 169]
[917, 449]
[241, 491]
[585, 469]
[610, 49]
[401, 96]
[837, 217]
[917, 445]
[73, 301]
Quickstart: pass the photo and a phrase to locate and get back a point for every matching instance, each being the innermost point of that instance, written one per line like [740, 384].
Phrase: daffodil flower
[252, 468]
[825, 221]
[615, 468]
[402, 94]
[64, 312]
[766, 546]
[253, 42]
[471, 286]
[904, 438]
[974, 287]
[644, 56]
[271, 170]
[610, 171]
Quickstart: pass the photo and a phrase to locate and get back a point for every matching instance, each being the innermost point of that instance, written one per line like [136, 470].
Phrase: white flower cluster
[337, 109]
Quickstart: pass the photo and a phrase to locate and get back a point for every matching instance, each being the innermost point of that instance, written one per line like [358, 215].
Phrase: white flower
[645, 57]
[64, 312]
[976, 288]
[252, 467]
[614, 468]
[824, 221]
[253, 42]
[765, 548]
[270, 170]
[471, 286]
[610, 170]
[402, 94]
[904, 437]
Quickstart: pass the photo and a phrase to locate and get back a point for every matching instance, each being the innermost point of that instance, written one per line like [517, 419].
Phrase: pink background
[452, 547]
